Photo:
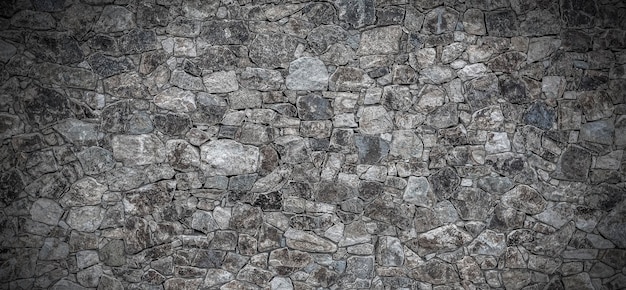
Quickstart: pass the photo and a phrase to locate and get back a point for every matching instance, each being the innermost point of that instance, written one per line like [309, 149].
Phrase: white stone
[229, 157]
[497, 142]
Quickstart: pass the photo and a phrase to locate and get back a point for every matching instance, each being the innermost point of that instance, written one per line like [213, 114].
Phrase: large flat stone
[138, 149]
[228, 157]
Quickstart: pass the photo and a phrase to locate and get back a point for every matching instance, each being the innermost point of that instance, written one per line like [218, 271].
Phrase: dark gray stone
[356, 14]
[435, 272]
[444, 182]
[225, 32]
[473, 203]
[112, 254]
[501, 23]
[371, 149]
[514, 89]
[138, 41]
[273, 50]
[578, 13]
[574, 164]
[96, 160]
[107, 66]
[320, 38]
[150, 15]
[314, 107]
[481, 92]
[540, 116]
[440, 20]
[172, 124]
[45, 106]
[55, 47]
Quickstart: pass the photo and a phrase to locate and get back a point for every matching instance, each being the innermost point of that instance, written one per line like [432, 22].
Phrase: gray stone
[540, 116]
[176, 99]
[33, 20]
[138, 149]
[79, 132]
[382, 40]
[186, 81]
[108, 282]
[397, 98]
[308, 242]
[497, 142]
[96, 160]
[418, 191]
[613, 224]
[516, 278]
[65, 76]
[440, 20]
[435, 272]
[204, 222]
[86, 191]
[406, 145]
[90, 277]
[225, 32]
[514, 90]
[443, 239]
[46, 211]
[172, 124]
[473, 203]
[524, 198]
[542, 47]
[246, 219]
[273, 50]
[444, 116]
[138, 40]
[107, 66]
[436, 74]
[286, 262]
[595, 105]
[181, 155]
[488, 243]
[260, 79]
[349, 79]
[228, 157]
[601, 132]
[321, 38]
[540, 22]
[314, 107]
[221, 82]
[444, 182]
[53, 249]
[495, 184]
[216, 277]
[481, 91]
[508, 62]
[114, 19]
[281, 283]
[371, 150]
[307, 74]
[357, 14]
[580, 281]
[574, 164]
[501, 23]
[375, 120]
[126, 85]
[86, 218]
[55, 47]
[245, 99]
[64, 284]
[145, 200]
[389, 252]
[474, 22]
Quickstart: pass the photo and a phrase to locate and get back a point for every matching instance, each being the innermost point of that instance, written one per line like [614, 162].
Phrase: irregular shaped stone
[147, 199]
[176, 99]
[578, 14]
[406, 145]
[203, 221]
[79, 132]
[349, 79]
[307, 74]
[260, 79]
[308, 242]
[514, 90]
[221, 82]
[601, 132]
[112, 253]
[418, 191]
[443, 239]
[444, 182]
[524, 198]
[540, 116]
[440, 20]
[33, 20]
[542, 47]
[86, 191]
[474, 22]
[55, 47]
[185, 81]
[107, 66]
[138, 149]
[286, 262]
[375, 120]
[436, 74]
[444, 116]
[473, 203]
[488, 243]
[573, 165]
[595, 105]
[371, 150]
[228, 157]
[501, 23]
[245, 99]
[114, 19]
[96, 160]
[320, 38]
[613, 226]
[508, 62]
[481, 91]
[357, 14]
[389, 252]
[497, 142]
[436, 272]
[86, 218]
[540, 22]
[46, 211]
[53, 249]
[273, 50]
[314, 107]
[225, 32]
[381, 40]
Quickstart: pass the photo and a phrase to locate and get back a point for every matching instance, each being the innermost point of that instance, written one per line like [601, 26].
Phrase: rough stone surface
[344, 144]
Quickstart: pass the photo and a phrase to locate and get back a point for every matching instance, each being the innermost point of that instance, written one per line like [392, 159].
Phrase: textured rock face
[337, 144]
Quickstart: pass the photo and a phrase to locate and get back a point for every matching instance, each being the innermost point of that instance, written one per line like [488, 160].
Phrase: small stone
[405, 145]
[444, 182]
[443, 239]
[404, 75]
[114, 19]
[177, 100]
[508, 62]
[79, 132]
[473, 203]
[245, 99]
[308, 242]
[321, 38]
[540, 22]
[204, 222]
[375, 120]
[540, 116]
[444, 116]
[314, 107]
[497, 142]
[419, 192]
[86, 191]
[225, 32]
[474, 22]
[307, 74]
[138, 149]
[515, 278]
[228, 157]
[46, 211]
[542, 47]
[435, 272]
[382, 40]
[85, 219]
[601, 132]
[440, 20]
[357, 14]
[112, 254]
[107, 66]
[221, 82]
[488, 243]
[181, 155]
[286, 261]
[524, 198]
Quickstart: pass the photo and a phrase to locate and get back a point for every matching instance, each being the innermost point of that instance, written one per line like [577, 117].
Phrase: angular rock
[540, 22]
[356, 13]
[115, 19]
[474, 22]
[308, 242]
[497, 142]
[147, 199]
[228, 157]
[172, 124]
[601, 132]
[473, 203]
[321, 38]
[375, 120]
[406, 145]
[371, 150]
[525, 199]
[54, 47]
[440, 20]
[418, 191]
[540, 116]
[79, 132]
[138, 149]
[382, 40]
[225, 32]
[435, 272]
[86, 191]
[307, 74]
[444, 182]
[273, 50]
[488, 243]
[185, 81]
[286, 261]
[85, 219]
[508, 62]
[221, 82]
[481, 91]
[112, 254]
[46, 211]
[501, 23]
[349, 79]
[107, 66]
[177, 100]
[612, 226]
[542, 47]
[53, 249]
[96, 160]
[436, 74]
[260, 79]
[33, 20]
[578, 14]
[443, 239]
[573, 165]
[203, 221]
[514, 90]
[595, 105]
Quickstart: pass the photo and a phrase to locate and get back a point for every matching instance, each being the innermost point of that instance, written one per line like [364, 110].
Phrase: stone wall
[267, 144]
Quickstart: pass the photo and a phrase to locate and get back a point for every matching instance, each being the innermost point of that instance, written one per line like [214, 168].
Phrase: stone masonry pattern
[340, 144]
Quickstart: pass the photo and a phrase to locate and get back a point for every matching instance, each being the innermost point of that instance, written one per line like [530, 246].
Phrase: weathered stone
[53, 249]
[221, 82]
[444, 182]
[488, 243]
[138, 149]
[79, 132]
[308, 242]
[46, 211]
[176, 99]
[307, 74]
[436, 74]
[245, 99]
[260, 79]
[96, 160]
[286, 261]
[540, 116]
[542, 47]
[595, 105]
[273, 50]
[406, 145]
[574, 164]
[85, 219]
[473, 203]
[440, 20]
[86, 191]
[54, 47]
[321, 38]
[474, 22]
[514, 90]
[185, 81]
[375, 120]
[114, 19]
[383, 40]
[107, 66]
[508, 62]
[612, 226]
[357, 14]
[228, 157]
[481, 91]
[33, 20]
[371, 150]
[443, 239]
[418, 191]
[112, 254]
[436, 272]
[501, 23]
[524, 198]
[349, 79]
[598, 132]
[225, 32]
